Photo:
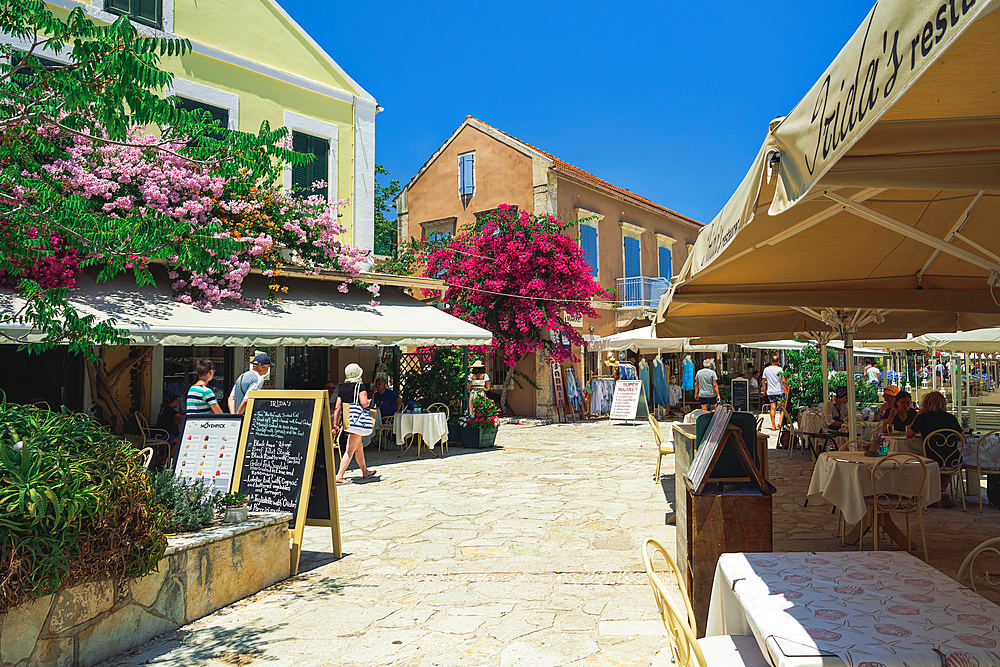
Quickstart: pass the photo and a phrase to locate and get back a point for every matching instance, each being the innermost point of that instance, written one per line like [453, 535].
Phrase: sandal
[371, 473]
[344, 481]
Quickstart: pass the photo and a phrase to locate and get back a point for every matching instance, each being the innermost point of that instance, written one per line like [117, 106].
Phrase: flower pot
[236, 514]
[454, 432]
[478, 438]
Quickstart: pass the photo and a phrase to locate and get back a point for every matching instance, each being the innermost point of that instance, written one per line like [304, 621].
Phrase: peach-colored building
[634, 245]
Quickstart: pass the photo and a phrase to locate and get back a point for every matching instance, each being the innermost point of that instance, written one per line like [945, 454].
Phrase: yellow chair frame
[905, 500]
[993, 463]
[661, 444]
[441, 407]
[952, 466]
[992, 544]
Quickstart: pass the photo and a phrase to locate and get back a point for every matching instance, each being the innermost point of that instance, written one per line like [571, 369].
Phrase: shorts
[773, 398]
[709, 401]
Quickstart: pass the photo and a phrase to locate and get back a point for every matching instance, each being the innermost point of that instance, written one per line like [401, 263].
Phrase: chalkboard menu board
[274, 457]
[286, 438]
[741, 395]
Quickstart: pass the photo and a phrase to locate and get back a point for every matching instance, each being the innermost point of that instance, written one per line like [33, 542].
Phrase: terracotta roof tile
[574, 172]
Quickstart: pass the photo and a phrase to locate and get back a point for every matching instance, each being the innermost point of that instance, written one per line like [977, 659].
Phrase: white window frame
[633, 232]
[584, 213]
[208, 95]
[664, 241]
[97, 11]
[323, 130]
[460, 156]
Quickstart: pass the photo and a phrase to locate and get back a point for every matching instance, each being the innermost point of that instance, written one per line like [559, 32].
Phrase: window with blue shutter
[666, 267]
[149, 12]
[466, 175]
[588, 243]
[633, 267]
[304, 175]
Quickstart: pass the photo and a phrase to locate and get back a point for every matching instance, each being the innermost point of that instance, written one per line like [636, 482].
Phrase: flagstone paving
[525, 555]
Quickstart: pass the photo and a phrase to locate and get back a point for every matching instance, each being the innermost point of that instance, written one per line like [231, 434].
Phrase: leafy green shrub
[438, 378]
[189, 505]
[75, 505]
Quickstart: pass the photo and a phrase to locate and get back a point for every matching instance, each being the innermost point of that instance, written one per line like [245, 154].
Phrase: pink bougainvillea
[522, 279]
[263, 227]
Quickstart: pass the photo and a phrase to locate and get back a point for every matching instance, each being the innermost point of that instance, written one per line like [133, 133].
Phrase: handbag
[359, 416]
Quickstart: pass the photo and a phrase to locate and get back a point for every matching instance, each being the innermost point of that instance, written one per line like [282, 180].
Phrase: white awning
[798, 345]
[313, 312]
[645, 341]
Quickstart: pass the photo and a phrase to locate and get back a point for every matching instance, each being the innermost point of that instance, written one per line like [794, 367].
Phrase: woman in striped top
[200, 398]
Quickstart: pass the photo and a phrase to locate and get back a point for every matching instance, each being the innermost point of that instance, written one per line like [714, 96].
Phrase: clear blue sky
[668, 99]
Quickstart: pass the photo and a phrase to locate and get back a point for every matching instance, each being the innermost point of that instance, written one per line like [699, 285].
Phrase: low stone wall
[200, 572]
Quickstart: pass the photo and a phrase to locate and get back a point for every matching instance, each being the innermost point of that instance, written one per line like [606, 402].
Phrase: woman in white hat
[352, 392]
[478, 382]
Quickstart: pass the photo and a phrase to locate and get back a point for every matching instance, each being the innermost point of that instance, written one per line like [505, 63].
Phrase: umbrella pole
[825, 366]
[852, 423]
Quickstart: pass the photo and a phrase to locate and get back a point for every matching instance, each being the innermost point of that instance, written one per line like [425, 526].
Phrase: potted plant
[235, 505]
[479, 430]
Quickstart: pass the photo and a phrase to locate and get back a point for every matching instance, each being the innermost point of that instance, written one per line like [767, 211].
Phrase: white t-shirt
[771, 374]
[873, 374]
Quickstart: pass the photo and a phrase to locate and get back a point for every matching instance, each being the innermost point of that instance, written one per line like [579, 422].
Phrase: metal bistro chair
[687, 651]
[905, 474]
[987, 460]
[386, 428]
[147, 456]
[968, 565]
[947, 446]
[441, 407]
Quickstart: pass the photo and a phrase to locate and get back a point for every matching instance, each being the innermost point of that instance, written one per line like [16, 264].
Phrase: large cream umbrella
[873, 204]
[644, 340]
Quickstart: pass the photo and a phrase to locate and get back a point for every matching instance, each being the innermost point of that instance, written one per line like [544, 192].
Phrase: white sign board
[625, 400]
[208, 449]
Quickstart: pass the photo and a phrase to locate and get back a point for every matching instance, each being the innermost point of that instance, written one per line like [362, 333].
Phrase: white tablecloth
[900, 443]
[872, 608]
[811, 421]
[843, 479]
[432, 426]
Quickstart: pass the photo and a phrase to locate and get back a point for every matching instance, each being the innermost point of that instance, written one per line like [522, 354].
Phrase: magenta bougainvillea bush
[520, 277]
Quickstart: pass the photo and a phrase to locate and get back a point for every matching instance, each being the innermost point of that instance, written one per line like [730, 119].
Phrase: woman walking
[353, 400]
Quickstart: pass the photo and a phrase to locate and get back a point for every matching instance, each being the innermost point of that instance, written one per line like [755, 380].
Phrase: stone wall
[199, 573]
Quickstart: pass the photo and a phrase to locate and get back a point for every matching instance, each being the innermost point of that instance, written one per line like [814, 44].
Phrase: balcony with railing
[640, 292]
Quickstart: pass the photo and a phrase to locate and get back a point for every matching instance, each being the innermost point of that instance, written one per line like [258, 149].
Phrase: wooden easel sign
[278, 457]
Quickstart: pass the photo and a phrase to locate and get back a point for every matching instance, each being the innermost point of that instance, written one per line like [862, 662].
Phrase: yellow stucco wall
[256, 30]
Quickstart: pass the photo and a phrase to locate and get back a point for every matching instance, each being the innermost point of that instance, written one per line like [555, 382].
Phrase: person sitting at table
[835, 411]
[386, 400]
[900, 416]
[933, 417]
[889, 402]
[478, 382]
[754, 380]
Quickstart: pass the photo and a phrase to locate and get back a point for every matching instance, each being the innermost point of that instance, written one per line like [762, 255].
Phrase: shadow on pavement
[229, 645]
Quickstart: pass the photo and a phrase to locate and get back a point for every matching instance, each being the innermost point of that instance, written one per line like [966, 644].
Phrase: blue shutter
[632, 262]
[666, 268]
[588, 242]
[465, 174]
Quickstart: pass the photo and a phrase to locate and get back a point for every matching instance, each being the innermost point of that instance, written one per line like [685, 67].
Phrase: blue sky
[668, 99]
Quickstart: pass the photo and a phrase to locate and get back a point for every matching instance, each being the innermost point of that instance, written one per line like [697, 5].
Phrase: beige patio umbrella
[874, 204]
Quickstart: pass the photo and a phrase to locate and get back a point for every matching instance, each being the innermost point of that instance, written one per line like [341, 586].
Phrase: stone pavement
[526, 555]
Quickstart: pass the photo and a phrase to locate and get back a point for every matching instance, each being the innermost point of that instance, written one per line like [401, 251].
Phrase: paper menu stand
[281, 435]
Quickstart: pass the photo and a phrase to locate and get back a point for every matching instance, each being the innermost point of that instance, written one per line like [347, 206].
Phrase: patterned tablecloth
[432, 426]
[843, 479]
[861, 609]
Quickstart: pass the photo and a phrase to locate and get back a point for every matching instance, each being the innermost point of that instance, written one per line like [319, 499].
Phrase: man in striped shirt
[200, 398]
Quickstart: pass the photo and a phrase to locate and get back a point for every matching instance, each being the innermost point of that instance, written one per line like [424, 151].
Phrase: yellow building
[251, 62]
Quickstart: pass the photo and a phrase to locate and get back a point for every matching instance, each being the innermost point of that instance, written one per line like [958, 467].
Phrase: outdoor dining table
[852, 608]
[428, 428]
[843, 479]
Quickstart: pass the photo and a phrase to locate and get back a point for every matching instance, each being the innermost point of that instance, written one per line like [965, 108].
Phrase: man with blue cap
[247, 382]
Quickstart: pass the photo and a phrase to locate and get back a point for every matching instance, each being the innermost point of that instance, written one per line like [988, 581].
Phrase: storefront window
[306, 367]
[179, 375]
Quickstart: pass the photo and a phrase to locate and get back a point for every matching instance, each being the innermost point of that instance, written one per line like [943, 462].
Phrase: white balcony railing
[640, 291]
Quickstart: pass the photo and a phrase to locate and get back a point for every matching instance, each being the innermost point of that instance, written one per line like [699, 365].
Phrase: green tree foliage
[112, 85]
[437, 378]
[386, 231]
[804, 373]
[75, 505]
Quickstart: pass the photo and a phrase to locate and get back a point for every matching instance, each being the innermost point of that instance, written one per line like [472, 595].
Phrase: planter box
[201, 572]
[454, 433]
[478, 438]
